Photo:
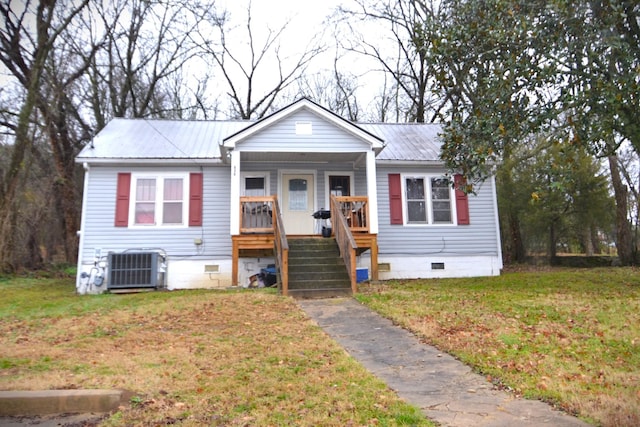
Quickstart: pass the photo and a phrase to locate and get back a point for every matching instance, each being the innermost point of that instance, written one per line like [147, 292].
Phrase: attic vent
[304, 128]
[132, 270]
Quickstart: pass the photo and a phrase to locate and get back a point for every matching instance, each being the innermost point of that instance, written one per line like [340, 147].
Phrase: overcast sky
[308, 20]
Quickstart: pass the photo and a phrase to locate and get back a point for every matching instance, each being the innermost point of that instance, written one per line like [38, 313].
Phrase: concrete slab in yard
[44, 402]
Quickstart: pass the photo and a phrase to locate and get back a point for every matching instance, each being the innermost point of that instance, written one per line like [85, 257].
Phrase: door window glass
[298, 195]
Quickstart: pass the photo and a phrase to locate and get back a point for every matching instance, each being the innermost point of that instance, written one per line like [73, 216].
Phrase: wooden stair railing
[344, 239]
[281, 248]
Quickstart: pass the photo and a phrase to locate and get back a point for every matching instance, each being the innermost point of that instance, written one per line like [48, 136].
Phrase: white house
[210, 204]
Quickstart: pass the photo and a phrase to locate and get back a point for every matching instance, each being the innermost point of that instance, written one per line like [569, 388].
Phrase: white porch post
[372, 192]
[235, 194]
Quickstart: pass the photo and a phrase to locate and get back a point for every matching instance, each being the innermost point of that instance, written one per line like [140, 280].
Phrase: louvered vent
[132, 270]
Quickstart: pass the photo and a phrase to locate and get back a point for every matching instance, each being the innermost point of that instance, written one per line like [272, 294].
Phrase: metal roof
[159, 139]
[407, 141]
[148, 140]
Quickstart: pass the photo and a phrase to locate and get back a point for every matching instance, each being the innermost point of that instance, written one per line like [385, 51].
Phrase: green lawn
[569, 337]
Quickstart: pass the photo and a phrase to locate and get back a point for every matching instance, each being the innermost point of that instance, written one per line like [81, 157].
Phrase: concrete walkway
[446, 390]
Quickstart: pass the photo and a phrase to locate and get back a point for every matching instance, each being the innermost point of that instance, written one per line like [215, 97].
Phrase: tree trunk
[513, 246]
[595, 241]
[11, 179]
[586, 240]
[623, 228]
[552, 240]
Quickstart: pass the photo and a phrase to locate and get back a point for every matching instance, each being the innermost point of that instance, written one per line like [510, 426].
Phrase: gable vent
[131, 270]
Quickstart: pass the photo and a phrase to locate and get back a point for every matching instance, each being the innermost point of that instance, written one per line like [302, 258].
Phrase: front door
[298, 197]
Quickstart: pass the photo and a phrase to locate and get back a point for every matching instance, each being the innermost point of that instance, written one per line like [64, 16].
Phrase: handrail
[344, 239]
[282, 248]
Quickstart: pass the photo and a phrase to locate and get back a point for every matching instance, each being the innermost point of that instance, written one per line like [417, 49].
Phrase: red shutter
[195, 199]
[462, 201]
[122, 200]
[395, 198]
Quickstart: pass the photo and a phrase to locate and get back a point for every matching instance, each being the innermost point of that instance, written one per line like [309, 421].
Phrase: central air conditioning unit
[133, 270]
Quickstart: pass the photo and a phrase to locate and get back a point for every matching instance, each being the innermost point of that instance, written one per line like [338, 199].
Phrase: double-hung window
[428, 200]
[159, 200]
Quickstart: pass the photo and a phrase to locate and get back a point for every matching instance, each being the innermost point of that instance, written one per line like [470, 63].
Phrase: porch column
[234, 212]
[372, 192]
[234, 203]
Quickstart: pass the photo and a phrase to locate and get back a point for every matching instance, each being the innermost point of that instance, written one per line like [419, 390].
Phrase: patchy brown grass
[191, 358]
[569, 337]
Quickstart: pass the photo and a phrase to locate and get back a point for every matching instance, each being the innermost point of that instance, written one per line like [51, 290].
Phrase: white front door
[298, 197]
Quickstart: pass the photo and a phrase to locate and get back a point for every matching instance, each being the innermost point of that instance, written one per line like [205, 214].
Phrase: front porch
[262, 232]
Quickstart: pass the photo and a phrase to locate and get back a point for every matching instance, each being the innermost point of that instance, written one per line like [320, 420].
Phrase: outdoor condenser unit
[128, 270]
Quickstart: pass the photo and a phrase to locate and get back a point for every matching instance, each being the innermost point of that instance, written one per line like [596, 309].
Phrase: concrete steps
[316, 269]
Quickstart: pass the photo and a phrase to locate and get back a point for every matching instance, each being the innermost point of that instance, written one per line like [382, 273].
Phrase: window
[255, 183]
[339, 185]
[427, 200]
[441, 200]
[159, 200]
[254, 186]
[416, 202]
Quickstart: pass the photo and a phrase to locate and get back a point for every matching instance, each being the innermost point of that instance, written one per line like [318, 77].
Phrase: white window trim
[159, 177]
[427, 178]
[255, 174]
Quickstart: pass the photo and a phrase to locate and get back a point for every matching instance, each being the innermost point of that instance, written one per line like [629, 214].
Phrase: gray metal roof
[407, 141]
[147, 140]
[159, 139]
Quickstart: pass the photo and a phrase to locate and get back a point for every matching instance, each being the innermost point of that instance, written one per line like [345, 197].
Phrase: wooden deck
[262, 233]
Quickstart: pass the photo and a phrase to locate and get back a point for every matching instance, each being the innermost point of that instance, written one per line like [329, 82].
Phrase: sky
[307, 20]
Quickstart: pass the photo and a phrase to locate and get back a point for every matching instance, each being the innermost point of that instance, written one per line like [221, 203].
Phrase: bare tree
[255, 71]
[140, 71]
[25, 51]
[335, 90]
[406, 36]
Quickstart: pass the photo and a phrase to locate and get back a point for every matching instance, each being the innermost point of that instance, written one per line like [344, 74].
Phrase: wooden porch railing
[344, 238]
[256, 214]
[262, 215]
[355, 210]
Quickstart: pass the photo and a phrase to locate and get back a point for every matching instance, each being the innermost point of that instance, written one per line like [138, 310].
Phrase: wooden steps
[316, 269]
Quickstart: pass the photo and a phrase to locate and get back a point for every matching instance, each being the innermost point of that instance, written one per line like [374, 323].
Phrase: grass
[569, 337]
[190, 357]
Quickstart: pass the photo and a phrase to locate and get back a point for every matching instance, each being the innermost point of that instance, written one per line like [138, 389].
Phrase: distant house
[215, 204]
